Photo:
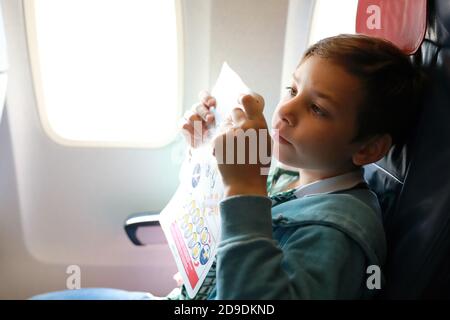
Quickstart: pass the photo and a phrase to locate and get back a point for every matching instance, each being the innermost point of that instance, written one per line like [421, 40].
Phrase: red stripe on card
[184, 254]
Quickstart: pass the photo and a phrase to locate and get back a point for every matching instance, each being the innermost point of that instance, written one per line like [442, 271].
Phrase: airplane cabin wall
[64, 205]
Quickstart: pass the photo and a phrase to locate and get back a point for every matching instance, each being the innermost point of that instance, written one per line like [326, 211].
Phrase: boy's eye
[317, 110]
[292, 91]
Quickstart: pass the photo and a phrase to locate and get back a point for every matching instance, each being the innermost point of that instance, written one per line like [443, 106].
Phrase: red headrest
[403, 22]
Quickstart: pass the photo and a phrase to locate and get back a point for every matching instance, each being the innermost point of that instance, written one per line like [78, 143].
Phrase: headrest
[443, 14]
[403, 22]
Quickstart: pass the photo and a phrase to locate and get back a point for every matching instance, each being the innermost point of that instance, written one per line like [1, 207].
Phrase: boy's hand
[198, 120]
[243, 151]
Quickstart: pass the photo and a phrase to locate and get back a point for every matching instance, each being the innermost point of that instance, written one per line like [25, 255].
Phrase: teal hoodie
[314, 247]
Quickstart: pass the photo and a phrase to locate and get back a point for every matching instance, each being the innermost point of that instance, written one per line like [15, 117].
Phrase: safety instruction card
[191, 219]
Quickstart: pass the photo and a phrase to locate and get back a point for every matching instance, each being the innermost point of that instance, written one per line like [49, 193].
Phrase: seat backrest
[402, 22]
[413, 182]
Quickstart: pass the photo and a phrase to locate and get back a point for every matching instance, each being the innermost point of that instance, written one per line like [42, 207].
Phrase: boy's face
[317, 119]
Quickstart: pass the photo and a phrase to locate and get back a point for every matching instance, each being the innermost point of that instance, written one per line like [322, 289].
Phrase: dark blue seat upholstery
[413, 182]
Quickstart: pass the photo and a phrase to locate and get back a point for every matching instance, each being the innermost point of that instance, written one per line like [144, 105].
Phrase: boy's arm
[317, 262]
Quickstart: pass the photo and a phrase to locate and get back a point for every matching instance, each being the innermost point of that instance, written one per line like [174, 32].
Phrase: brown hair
[390, 80]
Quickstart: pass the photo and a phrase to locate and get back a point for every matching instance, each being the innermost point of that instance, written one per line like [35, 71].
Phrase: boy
[310, 232]
[351, 99]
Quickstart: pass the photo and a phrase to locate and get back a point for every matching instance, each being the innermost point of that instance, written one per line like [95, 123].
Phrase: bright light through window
[333, 17]
[106, 71]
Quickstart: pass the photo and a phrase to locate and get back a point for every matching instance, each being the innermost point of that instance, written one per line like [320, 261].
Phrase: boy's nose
[286, 114]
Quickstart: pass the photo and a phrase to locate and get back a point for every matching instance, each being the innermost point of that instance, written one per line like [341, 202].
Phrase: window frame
[35, 68]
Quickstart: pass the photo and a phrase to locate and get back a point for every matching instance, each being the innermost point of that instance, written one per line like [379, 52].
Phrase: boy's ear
[372, 150]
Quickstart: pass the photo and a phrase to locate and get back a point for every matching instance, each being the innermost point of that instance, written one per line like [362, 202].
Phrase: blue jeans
[96, 294]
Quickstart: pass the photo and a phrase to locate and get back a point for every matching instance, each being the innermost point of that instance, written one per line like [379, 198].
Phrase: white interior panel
[3, 65]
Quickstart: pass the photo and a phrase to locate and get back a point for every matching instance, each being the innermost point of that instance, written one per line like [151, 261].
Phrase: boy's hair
[392, 84]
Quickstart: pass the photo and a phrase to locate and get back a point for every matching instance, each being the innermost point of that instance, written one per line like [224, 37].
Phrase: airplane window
[331, 18]
[106, 72]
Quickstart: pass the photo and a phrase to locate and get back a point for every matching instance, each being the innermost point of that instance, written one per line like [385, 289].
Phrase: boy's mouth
[277, 137]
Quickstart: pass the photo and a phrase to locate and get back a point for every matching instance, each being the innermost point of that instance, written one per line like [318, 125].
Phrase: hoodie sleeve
[315, 262]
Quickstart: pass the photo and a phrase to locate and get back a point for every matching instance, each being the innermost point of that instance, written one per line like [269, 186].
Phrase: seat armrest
[145, 220]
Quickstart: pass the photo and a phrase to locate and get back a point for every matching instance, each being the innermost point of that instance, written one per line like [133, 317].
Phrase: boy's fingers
[196, 122]
[204, 113]
[253, 105]
[188, 132]
[211, 102]
[193, 130]
[192, 116]
[187, 129]
[238, 116]
[194, 134]
[206, 98]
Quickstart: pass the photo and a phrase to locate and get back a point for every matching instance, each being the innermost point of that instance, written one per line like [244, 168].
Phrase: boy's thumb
[253, 104]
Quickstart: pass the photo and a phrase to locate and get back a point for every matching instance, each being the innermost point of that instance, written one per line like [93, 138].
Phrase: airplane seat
[413, 181]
